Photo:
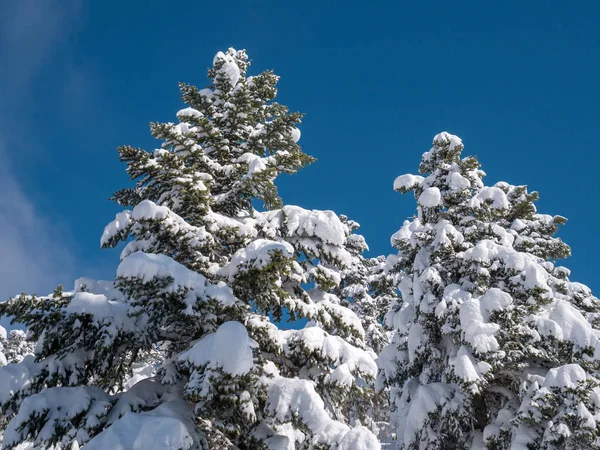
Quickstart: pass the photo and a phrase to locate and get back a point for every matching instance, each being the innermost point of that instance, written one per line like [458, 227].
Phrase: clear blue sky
[518, 81]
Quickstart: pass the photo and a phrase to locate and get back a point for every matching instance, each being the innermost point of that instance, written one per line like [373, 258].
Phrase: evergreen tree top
[232, 140]
[203, 276]
[494, 347]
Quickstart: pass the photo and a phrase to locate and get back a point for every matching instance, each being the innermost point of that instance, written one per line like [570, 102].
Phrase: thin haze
[517, 81]
[34, 248]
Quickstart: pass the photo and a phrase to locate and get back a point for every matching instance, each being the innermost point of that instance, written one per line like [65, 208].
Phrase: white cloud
[31, 33]
[34, 255]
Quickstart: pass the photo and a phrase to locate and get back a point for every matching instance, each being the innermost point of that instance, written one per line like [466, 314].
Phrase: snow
[3, 334]
[532, 274]
[359, 438]
[342, 376]
[220, 221]
[407, 182]
[297, 221]
[474, 319]
[16, 378]
[323, 224]
[148, 210]
[149, 266]
[422, 400]
[446, 234]
[457, 182]
[121, 223]
[430, 197]
[564, 322]
[295, 132]
[467, 368]
[97, 305]
[139, 372]
[334, 349]
[255, 163]
[494, 300]
[496, 195]
[295, 397]
[169, 426]
[416, 339]
[328, 305]
[103, 287]
[143, 395]
[444, 138]
[111, 315]
[189, 112]
[206, 92]
[257, 255]
[406, 233]
[229, 348]
[565, 377]
[76, 409]
[589, 420]
[229, 69]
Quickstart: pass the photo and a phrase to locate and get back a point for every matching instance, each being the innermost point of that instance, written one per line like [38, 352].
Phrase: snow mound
[564, 377]
[229, 348]
[229, 69]
[103, 287]
[430, 197]
[290, 398]
[169, 426]
[189, 112]
[332, 348]
[295, 132]
[15, 378]
[359, 438]
[532, 273]
[407, 182]
[474, 319]
[444, 138]
[69, 409]
[496, 195]
[149, 266]
[564, 322]
[120, 224]
[322, 224]
[457, 182]
[148, 210]
[255, 163]
[257, 255]
[421, 401]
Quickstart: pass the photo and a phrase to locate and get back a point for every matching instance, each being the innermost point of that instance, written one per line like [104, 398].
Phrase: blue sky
[516, 80]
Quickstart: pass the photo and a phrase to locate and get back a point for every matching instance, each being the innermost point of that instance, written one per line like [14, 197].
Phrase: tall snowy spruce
[494, 347]
[205, 277]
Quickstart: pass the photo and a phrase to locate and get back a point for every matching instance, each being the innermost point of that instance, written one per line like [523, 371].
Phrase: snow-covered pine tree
[361, 286]
[207, 276]
[14, 346]
[494, 346]
[365, 288]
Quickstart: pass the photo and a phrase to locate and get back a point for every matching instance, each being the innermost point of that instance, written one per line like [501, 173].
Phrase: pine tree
[14, 346]
[363, 285]
[494, 347]
[207, 276]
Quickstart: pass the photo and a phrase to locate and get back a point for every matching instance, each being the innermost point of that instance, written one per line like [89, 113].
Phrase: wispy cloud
[33, 255]
[31, 32]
